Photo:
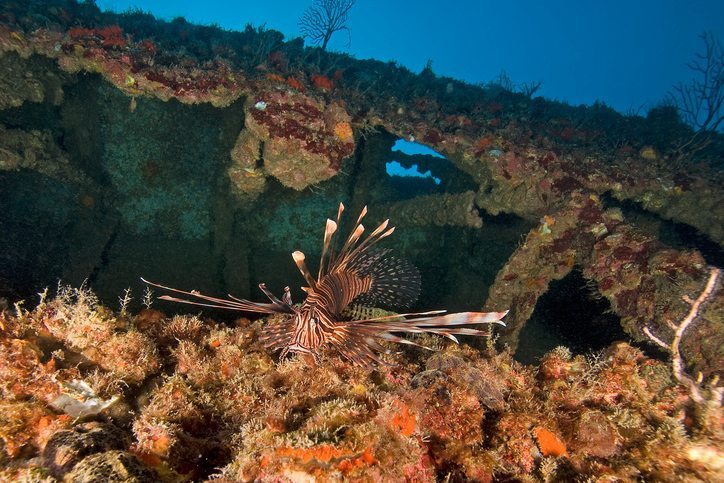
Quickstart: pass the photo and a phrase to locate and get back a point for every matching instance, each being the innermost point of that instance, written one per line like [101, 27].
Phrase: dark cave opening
[572, 314]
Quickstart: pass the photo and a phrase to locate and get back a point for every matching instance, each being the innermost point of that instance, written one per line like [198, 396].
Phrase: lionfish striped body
[358, 274]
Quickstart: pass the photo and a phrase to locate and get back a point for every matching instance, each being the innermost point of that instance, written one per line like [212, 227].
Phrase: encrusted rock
[456, 209]
[112, 466]
[65, 449]
[296, 138]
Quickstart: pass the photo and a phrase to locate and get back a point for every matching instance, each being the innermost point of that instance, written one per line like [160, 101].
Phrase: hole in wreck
[412, 150]
[415, 169]
[394, 168]
[571, 314]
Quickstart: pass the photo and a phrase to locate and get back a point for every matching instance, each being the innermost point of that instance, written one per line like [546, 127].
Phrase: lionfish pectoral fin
[462, 318]
[357, 346]
[401, 340]
[448, 325]
[277, 335]
[217, 303]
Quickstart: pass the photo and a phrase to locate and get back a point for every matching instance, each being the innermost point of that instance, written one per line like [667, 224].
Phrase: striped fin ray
[357, 341]
[329, 231]
[302, 266]
[447, 325]
[358, 346]
[277, 335]
[378, 234]
[395, 282]
[332, 243]
[352, 248]
[361, 312]
[233, 303]
[354, 235]
[338, 289]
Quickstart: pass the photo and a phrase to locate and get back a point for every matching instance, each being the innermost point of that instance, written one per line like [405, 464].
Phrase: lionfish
[355, 274]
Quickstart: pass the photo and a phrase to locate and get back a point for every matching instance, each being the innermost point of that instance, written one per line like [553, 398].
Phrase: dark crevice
[504, 219]
[104, 258]
[260, 157]
[573, 314]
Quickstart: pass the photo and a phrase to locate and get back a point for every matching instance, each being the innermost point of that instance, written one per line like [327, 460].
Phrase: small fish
[356, 273]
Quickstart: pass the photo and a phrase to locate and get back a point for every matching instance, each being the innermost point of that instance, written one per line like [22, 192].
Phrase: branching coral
[710, 395]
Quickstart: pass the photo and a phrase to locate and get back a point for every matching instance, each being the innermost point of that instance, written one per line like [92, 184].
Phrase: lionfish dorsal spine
[329, 231]
[348, 245]
[373, 238]
[302, 266]
[331, 256]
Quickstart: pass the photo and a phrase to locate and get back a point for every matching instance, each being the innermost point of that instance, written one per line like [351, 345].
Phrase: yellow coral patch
[649, 153]
[344, 132]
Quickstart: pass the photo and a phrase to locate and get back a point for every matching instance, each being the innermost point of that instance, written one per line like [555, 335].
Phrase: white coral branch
[694, 386]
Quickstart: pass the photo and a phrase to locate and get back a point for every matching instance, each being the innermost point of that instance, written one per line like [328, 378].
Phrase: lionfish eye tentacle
[287, 297]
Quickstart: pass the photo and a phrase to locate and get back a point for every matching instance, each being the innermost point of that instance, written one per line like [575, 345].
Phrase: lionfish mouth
[356, 274]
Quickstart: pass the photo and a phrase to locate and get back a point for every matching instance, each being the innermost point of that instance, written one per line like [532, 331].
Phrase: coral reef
[642, 279]
[28, 82]
[132, 146]
[75, 318]
[226, 409]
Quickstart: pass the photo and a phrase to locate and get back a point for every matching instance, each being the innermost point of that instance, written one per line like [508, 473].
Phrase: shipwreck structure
[130, 146]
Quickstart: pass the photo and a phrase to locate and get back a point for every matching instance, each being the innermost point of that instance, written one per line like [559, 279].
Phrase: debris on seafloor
[78, 400]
